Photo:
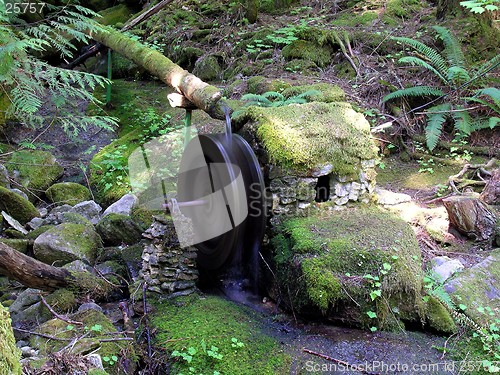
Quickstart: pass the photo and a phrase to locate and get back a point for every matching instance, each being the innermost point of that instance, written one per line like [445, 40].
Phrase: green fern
[416, 61]
[414, 91]
[452, 48]
[436, 117]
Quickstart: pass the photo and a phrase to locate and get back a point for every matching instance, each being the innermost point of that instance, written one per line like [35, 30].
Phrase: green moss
[438, 318]
[16, 206]
[37, 170]
[194, 322]
[356, 19]
[302, 66]
[10, 355]
[17, 244]
[72, 217]
[403, 8]
[112, 16]
[68, 193]
[207, 68]
[95, 371]
[308, 136]
[337, 250]
[38, 231]
[328, 93]
[62, 301]
[260, 85]
[306, 50]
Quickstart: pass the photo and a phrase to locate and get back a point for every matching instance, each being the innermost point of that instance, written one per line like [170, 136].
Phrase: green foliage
[31, 83]
[455, 76]
[480, 6]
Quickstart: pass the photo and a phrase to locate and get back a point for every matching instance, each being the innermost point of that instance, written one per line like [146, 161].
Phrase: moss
[207, 68]
[17, 244]
[12, 233]
[260, 85]
[194, 322]
[328, 93]
[306, 50]
[308, 136]
[116, 229]
[438, 318]
[403, 8]
[38, 231]
[117, 14]
[37, 170]
[336, 250]
[10, 355]
[16, 206]
[95, 371]
[62, 301]
[4, 105]
[67, 193]
[302, 66]
[73, 217]
[356, 19]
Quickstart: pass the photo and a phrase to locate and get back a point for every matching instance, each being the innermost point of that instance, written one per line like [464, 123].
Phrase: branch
[56, 315]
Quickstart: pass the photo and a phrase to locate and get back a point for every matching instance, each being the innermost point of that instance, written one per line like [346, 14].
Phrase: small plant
[480, 6]
[110, 360]
[450, 68]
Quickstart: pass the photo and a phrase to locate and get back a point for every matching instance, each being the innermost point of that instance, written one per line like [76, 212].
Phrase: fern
[416, 61]
[452, 47]
[414, 91]
[436, 117]
[463, 120]
[491, 93]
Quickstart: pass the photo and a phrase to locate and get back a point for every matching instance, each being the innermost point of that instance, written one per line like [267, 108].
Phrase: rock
[35, 223]
[4, 177]
[389, 198]
[471, 216]
[17, 244]
[35, 170]
[116, 229]
[26, 306]
[73, 217]
[89, 210]
[16, 206]
[437, 228]
[491, 192]
[123, 206]
[20, 192]
[438, 317]
[10, 355]
[207, 68]
[13, 223]
[306, 50]
[78, 266]
[478, 287]
[444, 267]
[90, 306]
[67, 193]
[67, 242]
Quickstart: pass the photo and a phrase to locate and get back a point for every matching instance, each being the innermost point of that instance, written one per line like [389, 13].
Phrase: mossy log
[201, 94]
[35, 274]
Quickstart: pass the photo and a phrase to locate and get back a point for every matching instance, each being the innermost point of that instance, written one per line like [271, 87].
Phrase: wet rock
[123, 206]
[16, 206]
[89, 210]
[67, 242]
[67, 193]
[444, 267]
[116, 229]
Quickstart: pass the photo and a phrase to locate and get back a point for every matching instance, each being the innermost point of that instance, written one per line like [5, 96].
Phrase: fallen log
[38, 275]
[204, 96]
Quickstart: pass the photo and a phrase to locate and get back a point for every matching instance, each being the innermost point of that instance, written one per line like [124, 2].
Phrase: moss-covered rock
[347, 263]
[438, 317]
[306, 50]
[68, 193]
[305, 67]
[17, 244]
[35, 170]
[67, 242]
[192, 321]
[328, 93]
[10, 355]
[309, 136]
[16, 206]
[207, 68]
[95, 328]
[261, 84]
[38, 231]
[116, 229]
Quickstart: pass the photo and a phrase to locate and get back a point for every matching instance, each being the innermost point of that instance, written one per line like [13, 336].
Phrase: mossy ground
[194, 321]
[329, 260]
[10, 355]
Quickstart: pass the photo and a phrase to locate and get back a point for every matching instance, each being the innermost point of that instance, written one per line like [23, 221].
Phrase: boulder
[16, 206]
[10, 355]
[67, 242]
[444, 267]
[122, 206]
[67, 193]
[116, 229]
[20, 192]
[89, 210]
[34, 170]
[310, 51]
[4, 177]
[491, 192]
[207, 68]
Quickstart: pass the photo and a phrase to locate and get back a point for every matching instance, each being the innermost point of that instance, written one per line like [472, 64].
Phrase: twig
[41, 334]
[117, 339]
[346, 364]
[56, 315]
[144, 315]
[446, 343]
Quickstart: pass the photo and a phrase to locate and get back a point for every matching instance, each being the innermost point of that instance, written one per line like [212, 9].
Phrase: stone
[16, 206]
[443, 267]
[67, 242]
[67, 193]
[321, 170]
[35, 223]
[491, 192]
[342, 200]
[116, 229]
[341, 189]
[78, 266]
[18, 244]
[90, 306]
[123, 206]
[4, 177]
[355, 191]
[207, 68]
[89, 210]
[20, 193]
[389, 198]
[13, 223]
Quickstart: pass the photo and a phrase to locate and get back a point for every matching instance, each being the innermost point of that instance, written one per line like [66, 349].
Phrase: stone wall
[166, 267]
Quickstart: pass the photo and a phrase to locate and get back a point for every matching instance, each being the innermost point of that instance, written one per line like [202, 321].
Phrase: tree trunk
[35, 274]
[491, 192]
[203, 95]
[471, 216]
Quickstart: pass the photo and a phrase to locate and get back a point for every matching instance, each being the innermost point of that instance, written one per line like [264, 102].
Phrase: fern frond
[463, 121]
[489, 64]
[430, 53]
[273, 94]
[416, 61]
[254, 99]
[413, 91]
[492, 92]
[308, 95]
[452, 47]
[489, 123]
[458, 75]
[436, 117]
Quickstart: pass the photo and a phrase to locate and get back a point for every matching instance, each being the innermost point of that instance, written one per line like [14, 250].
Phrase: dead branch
[56, 315]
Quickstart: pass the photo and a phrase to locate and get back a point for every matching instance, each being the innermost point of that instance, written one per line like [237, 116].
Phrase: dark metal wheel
[221, 162]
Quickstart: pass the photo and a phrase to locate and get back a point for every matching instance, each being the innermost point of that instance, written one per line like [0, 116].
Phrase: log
[491, 192]
[201, 94]
[38, 275]
[471, 216]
